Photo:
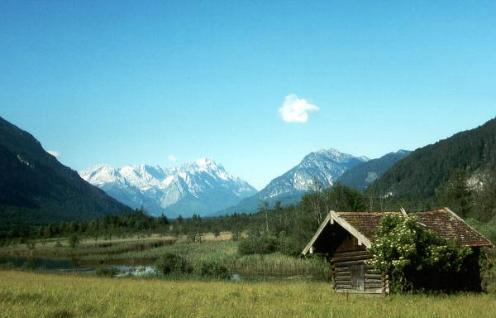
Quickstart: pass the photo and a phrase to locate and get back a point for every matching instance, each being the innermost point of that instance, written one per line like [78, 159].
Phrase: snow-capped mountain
[318, 169]
[199, 187]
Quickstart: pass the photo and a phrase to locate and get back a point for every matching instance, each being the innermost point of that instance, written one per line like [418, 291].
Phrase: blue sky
[141, 81]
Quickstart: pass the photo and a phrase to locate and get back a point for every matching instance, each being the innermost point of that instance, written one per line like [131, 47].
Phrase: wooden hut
[345, 237]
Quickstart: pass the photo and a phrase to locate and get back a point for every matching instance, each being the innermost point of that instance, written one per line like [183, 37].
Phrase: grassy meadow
[24, 294]
[273, 285]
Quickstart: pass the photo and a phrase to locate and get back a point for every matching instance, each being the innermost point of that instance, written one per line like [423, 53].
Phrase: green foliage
[456, 193]
[404, 248]
[256, 243]
[73, 240]
[173, 264]
[106, 272]
[488, 266]
[214, 269]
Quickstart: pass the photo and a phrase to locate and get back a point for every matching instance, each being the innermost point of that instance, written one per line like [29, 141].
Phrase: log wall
[352, 274]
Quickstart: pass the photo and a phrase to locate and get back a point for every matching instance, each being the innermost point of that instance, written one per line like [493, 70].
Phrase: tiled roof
[442, 222]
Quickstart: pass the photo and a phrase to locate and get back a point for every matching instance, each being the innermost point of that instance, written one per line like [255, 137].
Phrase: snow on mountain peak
[157, 188]
[317, 169]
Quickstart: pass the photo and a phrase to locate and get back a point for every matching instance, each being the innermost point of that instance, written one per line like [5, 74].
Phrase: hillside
[427, 168]
[35, 188]
[361, 176]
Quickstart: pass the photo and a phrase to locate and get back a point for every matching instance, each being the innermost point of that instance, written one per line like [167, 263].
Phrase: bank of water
[65, 265]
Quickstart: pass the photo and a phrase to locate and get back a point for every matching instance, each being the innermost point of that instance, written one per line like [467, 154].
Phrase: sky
[254, 85]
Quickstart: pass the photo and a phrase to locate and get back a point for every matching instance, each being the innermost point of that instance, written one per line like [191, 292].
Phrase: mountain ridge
[197, 187]
[318, 169]
[421, 173]
[36, 188]
[363, 175]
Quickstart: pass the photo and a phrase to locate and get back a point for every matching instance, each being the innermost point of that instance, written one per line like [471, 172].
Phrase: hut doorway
[358, 277]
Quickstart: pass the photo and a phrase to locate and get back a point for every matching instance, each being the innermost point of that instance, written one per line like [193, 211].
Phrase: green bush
[106, 271]
[73, 241]
[259, 244]
[172, 263]
[214, 269]
[408, 253]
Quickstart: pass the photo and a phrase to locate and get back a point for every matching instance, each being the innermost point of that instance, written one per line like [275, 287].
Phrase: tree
[73, 241]
[264, 208]
[456, 193]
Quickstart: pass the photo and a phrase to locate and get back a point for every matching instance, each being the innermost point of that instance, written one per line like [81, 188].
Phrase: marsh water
[72, 265]
[67, 265]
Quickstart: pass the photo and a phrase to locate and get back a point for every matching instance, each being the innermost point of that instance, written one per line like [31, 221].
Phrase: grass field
[24, 294]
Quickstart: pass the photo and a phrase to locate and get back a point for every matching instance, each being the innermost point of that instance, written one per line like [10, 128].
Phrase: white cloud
[172, 158]
[295, 109]
[54, 153]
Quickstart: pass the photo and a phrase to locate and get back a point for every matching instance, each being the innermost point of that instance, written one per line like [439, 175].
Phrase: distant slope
[318, 169]
[35, 188]
[200, 187]
[361, 176]
[425, 169]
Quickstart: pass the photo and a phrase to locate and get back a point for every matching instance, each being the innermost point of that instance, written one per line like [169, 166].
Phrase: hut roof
[443, 222]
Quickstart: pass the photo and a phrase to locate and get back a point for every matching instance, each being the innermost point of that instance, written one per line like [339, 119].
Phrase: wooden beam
[348, 227]
[316, 235]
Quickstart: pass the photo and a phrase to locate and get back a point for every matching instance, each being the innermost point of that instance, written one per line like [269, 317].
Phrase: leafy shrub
[258, 244]
[214, 269]
[406, 251]
[171, 263]
[289, 244]
[106, 271]
[73, 241]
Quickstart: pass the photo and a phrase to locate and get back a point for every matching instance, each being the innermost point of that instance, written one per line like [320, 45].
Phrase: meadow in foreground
[24, 294]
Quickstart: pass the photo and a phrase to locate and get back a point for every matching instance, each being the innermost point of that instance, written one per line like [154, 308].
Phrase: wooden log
[343, 283]
[341, 264]
[344, 269]
[373, 276]
[373, 271]
[374, 284]
[377, 282]
[352, 253]
[349, 258]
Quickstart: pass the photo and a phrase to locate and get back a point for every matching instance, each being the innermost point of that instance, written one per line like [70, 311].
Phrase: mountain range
[200, 187]
[319, 169]
[35, 188]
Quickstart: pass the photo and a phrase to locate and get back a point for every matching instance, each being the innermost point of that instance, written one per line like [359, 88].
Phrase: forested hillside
[420, 174]
[35, 188]
[361, 176]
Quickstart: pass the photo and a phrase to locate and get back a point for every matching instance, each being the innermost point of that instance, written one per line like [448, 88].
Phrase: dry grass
[46, 295]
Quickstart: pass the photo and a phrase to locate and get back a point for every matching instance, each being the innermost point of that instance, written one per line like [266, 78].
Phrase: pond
[72, 265]
[67, 265]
